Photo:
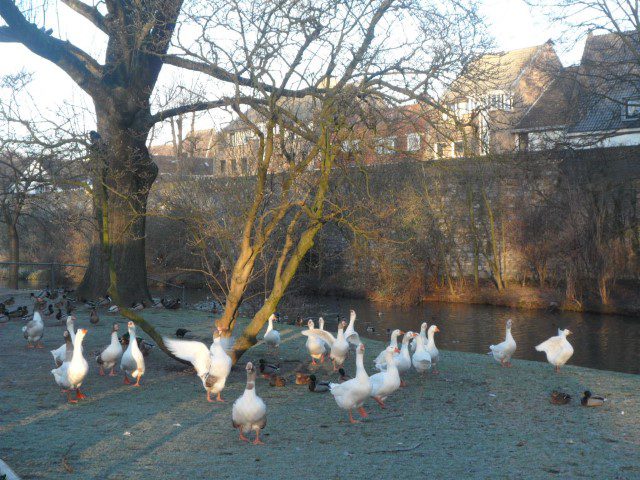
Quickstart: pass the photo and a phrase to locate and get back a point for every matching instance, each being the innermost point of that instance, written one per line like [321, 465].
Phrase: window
[498, 100]
[244, 165]
[631, 109]
[413, 142]
[439, 149]
[239, 138]
[458, 149]
[386, 146]
[223, 167]
[233, 166]
[463, 106]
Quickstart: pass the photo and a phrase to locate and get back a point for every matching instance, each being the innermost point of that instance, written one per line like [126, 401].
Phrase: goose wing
[191, 351]
[321, 334]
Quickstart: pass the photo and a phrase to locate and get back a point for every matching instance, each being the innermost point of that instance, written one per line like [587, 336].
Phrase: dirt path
[474, 420]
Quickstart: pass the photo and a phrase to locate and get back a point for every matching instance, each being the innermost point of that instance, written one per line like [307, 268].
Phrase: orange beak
[397, 350]
[84, 331]
[437, 329]
[402, 333]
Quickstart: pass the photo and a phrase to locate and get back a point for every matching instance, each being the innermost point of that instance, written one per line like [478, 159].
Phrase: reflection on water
[605, 342]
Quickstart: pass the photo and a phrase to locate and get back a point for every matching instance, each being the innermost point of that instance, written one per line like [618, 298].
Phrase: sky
[512, 23]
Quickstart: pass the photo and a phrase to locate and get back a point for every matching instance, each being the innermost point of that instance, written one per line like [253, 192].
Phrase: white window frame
[503, 100]
[386, 145]
[634, 103]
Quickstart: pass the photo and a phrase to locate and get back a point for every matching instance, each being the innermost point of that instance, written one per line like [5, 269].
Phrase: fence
[54, 267]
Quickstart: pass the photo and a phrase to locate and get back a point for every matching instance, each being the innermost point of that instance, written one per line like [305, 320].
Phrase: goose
[317, 387]
[314, 345]
[271, 336]
[68, 346]
[423, 334]
[132, 361]
[338, 345]
[108, 358]
[93, 316]
[249, 412]
[557, 348]
[58, 353]
[70, 375]
[144, 346]
[34, 331]
[402, 360]
[590, 400]
[353, 393]
[212, 364]
[350, 333]
[421, 359]
[432, 349]
[385, 383]
[321, 327]
[393, 342]
[504, 351]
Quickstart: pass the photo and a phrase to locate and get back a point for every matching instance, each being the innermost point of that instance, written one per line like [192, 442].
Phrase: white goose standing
[272, 336]
[70, 375]
[423, 334]
[402, 360]
[350, 333]
[503, 352]
[393, 342]
[338, 345]
[249, 412]
[353, 393]
[385, 383]
[212, 365]
[315, 346]
[33, 331]
[558, 349]
[432, 349]
[421, 359]
[108, 358]
[59, 353]
[132, 362]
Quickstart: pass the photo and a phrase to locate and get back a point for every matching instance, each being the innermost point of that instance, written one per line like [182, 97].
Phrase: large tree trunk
[123, 176]
[14, 255]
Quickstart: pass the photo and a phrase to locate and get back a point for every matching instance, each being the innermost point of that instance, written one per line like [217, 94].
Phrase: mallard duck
[171, 304]
[249, 412]
[504, 351]
[132, 362]
[181, 332]
[350, 333]
[353, 393]
[267, 369]
[343, 376]
[271, 336]
[108, 358]
[385, 383]
[276, 380]
[70, 375]
[113, 309]
[93, 316]
[560, 398]
[9, 301]
[339, 347]
[59, 315]
[315, 346]
[34, 331]
[318, 387]
[18, 312]
[557, 348]
[59, 353]
[590, 400]
[302, 378]
[49, 311]
[212, 364]
[138, 306]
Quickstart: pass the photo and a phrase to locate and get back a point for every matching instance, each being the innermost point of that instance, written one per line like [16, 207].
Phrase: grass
[474, 420]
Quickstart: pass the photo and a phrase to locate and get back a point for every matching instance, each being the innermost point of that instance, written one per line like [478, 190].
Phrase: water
[605, 342]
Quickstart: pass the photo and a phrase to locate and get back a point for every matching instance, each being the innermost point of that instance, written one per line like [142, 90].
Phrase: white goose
[504, 350]
[421, 359]
[249, 412]
[132, 362]
[385, 383]
[423, 334]
[271, 336]
[70, 375]
[353, 393]
[212, 365]
[432, 349]
[402, 360]
[338, 345]
[59, 353]
[350, 333]
[108, 358]
[393, 342]
[33, 331]
[315, 346]
[558, 349]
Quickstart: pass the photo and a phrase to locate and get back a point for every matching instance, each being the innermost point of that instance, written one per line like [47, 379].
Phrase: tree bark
[14, 255]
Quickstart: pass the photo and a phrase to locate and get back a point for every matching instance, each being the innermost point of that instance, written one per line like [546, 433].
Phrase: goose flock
[212, 364]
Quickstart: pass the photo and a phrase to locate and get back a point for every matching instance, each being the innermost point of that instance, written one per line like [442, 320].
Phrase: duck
[423, 334]
[113, 309]
[503, 352]
[393, 342]
[70, 375]
[104, 301]
[339, 347]
[212, 364]
[343, 376]
[272, 336]
[315, 346]
[590, 400]
[421, 359]
[353, 393]
[4, 318]
[171, 304]
[137, 306]
[317, 387]
[432, 349]
[181, 332]
[50, 311]
[385, 383]
[132, 361]
[370, 329]
[302, 378]
[559, 398]
[93, 316]
[108, 358]
[33, 331]
[558, 349]
[249, 411]
[276, 380]
[9, 301]
[18, 312]
[267, 369]
[59, 315]
[58, 353]
[350, 332]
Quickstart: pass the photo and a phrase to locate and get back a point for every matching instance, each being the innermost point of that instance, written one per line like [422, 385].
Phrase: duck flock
[212, 363]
